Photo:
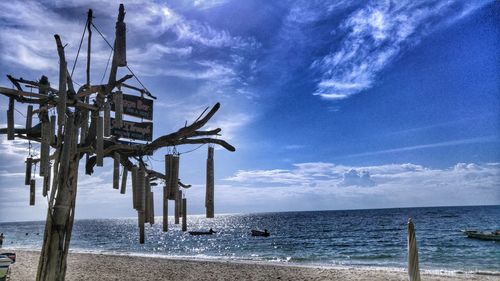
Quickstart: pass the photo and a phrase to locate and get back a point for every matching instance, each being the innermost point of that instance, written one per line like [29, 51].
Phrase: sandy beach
[84, 266]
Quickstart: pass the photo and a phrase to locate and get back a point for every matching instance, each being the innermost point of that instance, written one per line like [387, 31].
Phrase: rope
[78, 53]
[107, 64]
[129, 69]
[189, 151]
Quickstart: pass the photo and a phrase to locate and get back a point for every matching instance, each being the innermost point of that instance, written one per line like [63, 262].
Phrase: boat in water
[11, 256]
[5, 263]
[483, 235]
[264, 233]
[210, 232]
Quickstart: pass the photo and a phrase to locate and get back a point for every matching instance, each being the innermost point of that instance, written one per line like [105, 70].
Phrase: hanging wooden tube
[32, 192]
[84, 127]
[174, 177]
[45, 148]
[52, 133]
[116, 170]
[142, 234]
[141, 190]
[209, 197]
[120, 44]
[165, 208]
[147, 201]
[168, 176]
[99, 142]
[178, 202]
[29, 118]
[46, 182]
[107, 120]
[27, 174]
[118, 102]
[10, 119]
[151, 208]
[124, 180]
[134, 186]
[184, 214]
[63, 72]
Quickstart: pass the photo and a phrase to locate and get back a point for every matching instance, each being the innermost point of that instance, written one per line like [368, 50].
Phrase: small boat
[264, 233]
[483, 235]
[210, 232]
[5, 263]
[11, 256]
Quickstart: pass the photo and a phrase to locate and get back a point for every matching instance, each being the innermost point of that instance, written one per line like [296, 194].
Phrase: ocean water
[326, 238]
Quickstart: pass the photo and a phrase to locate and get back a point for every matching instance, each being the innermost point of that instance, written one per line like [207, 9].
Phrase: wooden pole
[165, 208]
[10, 119]
[27, 174]
[29, 118]
[61, 104]
[116, 170]
[120, 43]
[209, 197]
[184, 214]
[32, 192]
[99, 142]
[124, 180]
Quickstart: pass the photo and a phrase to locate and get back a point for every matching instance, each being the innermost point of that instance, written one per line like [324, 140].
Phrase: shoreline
[114, 266]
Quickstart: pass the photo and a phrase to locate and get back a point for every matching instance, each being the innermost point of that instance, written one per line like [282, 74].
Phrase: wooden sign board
[136, 106]
[133, 130]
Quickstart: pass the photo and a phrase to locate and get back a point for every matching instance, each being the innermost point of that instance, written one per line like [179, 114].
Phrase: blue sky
[331, 105]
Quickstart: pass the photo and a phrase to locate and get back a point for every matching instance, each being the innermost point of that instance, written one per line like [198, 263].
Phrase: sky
[330, 104]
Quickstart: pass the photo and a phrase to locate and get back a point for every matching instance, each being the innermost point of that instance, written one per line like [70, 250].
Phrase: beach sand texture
[112, 267]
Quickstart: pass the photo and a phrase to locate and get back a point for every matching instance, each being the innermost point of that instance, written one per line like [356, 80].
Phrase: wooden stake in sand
[116, 170]
[32, 192]
[209, 196]
[124, 180]
[27, 174]
[184, 214]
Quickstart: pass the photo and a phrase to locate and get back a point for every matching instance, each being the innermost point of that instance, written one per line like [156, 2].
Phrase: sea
[349, 238]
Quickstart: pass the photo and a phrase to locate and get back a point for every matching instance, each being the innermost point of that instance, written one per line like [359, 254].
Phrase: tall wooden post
[209, 197]
[10, 119]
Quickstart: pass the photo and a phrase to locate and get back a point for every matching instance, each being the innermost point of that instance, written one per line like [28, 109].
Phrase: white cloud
[374, 35]
[376, 186]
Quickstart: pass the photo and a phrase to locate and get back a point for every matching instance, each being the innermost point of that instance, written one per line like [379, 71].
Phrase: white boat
[483, 235]
[4, 266]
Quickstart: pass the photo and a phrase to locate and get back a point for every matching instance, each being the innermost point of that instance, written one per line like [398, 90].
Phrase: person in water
[1, 239]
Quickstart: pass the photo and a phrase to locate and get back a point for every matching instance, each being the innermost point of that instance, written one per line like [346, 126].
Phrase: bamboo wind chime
[209, 196]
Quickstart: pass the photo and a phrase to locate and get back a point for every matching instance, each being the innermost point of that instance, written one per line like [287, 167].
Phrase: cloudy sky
[330, 104]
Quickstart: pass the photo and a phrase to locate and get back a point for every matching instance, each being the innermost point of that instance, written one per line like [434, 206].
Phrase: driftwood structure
[71, 128]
